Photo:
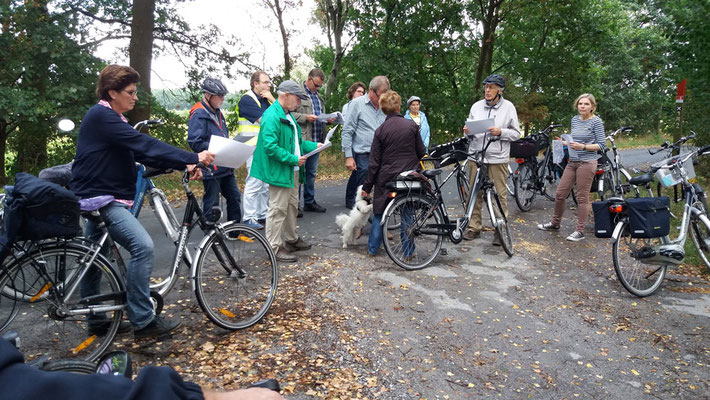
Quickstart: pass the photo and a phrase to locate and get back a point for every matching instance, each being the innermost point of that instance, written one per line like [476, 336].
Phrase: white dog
[351, 224]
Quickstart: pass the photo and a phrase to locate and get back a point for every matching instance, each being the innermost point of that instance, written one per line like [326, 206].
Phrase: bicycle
[611, 178]
[671, 150]
[419, 212]
[234, 277]
[641, 263]
[533, 177]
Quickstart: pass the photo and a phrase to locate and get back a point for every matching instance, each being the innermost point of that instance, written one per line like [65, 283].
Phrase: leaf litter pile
[302, 342]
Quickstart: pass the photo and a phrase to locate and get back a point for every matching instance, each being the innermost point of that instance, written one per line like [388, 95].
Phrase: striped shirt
[590, 131]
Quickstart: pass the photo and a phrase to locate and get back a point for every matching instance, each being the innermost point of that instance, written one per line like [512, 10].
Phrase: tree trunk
[140, 51]
[490, 18]
[4, 133]
[288, 64]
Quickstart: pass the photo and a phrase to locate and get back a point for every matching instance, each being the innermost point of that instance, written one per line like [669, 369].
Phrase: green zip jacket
[273, 158]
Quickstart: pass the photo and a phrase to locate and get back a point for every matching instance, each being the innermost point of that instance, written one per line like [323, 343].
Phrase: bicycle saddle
[641, 179]
[430, 173]
[94, 203]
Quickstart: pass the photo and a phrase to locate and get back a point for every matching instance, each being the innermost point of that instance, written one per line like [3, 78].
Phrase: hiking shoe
[298, 244]
[575, 236]
[496, 240]
[101, 327]
[548, 227]
[314, 207]
[253, 224]
[157, 327]
[284, 256]
[470, 234]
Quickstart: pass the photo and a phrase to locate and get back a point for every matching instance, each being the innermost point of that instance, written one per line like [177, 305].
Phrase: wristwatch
[585, 147]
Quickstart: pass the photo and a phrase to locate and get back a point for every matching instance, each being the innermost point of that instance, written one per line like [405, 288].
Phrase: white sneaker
[575, 236]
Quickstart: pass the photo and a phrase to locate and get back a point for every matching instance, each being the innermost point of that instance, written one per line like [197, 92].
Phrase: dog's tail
[341, 219]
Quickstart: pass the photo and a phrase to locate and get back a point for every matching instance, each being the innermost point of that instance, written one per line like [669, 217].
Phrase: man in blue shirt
[307, 117]
[250, 108]
[364, 116]
[206, 120]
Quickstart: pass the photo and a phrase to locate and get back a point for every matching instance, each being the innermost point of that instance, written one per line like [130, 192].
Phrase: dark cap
[292, 87]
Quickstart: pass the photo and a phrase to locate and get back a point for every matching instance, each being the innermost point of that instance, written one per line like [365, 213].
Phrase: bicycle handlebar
[675, 146]
[148, 122]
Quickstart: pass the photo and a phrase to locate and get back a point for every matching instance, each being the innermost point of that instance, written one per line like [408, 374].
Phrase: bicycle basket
[445, 151]
[524, 148]
[671, 177]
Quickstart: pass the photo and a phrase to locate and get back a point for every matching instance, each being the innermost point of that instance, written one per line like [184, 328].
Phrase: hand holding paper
[479, 126]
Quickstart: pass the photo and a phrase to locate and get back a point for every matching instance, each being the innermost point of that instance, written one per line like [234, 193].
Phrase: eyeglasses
[131, 93]
[269, 82]
[315, 84]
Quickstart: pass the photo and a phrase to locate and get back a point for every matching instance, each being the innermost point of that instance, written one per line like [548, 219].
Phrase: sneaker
[157, 327]
[470, 234]
[101, 327]
[296, 245]
[548, 227]
[314, 207]
[284, 256]
[575, 236]
[253, 224]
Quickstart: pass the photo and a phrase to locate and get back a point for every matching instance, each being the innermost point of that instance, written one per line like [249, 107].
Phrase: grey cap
[413, 98]
[292, 87]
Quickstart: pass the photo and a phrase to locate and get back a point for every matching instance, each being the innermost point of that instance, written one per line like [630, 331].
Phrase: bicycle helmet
[214, 87]
[495, 79]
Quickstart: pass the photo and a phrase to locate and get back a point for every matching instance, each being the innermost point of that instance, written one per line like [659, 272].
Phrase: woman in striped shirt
[588, 138]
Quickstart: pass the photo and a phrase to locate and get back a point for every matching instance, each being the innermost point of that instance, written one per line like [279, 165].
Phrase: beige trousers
[499, 174]
[282, 214]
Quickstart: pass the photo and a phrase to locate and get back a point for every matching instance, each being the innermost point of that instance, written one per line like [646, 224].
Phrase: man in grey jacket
[507, 127]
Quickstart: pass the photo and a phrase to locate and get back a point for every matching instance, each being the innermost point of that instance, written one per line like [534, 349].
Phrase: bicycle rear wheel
[525, 186]
[700, 233]
[550, 180]
[236, 298]
[416, 232]
[639, 278]
[500, 222]
[52, 321]
[462, 187]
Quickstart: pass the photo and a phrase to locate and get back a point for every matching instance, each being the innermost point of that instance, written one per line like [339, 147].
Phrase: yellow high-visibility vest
[246, 127]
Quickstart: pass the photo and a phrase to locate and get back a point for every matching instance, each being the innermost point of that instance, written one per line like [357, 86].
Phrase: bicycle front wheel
[416, 229]
[639, 278]
[524, 192]
[462, 187]
[500, 222]
[700, 233]
[236, 277]
[56, 315]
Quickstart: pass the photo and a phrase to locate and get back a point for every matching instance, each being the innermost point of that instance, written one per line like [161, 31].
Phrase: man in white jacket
[507, 127]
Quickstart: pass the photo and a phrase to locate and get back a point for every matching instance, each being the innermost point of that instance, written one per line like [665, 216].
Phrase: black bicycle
[418, 211]
[535, 177]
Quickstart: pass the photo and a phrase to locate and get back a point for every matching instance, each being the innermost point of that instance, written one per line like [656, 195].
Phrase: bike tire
[229, 299]
[700, 234]
[550, 176]
[462, 187]
[500, 222]
[73, 366]
[38, 296]
[417, 243]
[510, 182]
[638, 278]
[525, 187]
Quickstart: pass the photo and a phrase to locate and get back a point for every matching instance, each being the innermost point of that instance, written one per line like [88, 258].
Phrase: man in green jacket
[278, 161]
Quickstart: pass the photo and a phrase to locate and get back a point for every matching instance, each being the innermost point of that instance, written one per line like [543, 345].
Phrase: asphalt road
[551, 322]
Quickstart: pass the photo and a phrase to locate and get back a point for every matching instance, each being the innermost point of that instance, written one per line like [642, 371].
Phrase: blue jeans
[375, 241]
[228, 186]
[309, 188]
[125, 230]
[357, 177]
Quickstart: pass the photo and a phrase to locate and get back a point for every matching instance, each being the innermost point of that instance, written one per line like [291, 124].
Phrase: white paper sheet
[318, 150]
[325, 117]
[479, 125]
[229, 153]
[330, 134]
[568, 138]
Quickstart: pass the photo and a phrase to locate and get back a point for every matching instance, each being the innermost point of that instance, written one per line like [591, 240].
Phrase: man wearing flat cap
[278, 161]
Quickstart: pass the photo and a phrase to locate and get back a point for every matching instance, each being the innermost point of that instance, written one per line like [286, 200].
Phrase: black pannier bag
[649, 217]
[48, 210]
[603, 219]
[445, 151]
[524, 148]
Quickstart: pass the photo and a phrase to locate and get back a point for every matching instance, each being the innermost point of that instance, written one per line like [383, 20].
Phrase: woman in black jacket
[396, 147]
